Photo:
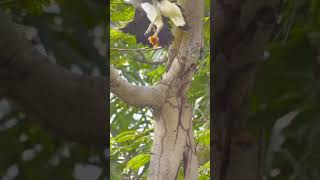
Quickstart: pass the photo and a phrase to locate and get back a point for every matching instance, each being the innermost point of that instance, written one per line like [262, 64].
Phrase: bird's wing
[138, 26]
[140, 23]
[165, 35]
[172, 11]
[150, 10]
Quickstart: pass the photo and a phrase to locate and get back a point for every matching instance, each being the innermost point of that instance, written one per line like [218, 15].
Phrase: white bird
[157, 12]
[155, 9]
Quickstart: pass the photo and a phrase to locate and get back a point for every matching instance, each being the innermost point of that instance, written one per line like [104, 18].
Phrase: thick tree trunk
[173, 133]
[174, 140]
[241, 31]
[71, 106]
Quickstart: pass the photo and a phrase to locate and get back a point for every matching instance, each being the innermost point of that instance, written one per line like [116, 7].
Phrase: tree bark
[242, 30]
[70, 106]
[173, 134]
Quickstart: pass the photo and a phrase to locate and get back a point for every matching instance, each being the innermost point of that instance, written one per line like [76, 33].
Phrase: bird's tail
[186, 27]
[183, 26]
[178, 21]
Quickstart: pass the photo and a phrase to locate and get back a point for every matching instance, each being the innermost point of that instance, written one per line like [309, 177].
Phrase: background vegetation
[285, 99]
[72, 34]
[131, 129]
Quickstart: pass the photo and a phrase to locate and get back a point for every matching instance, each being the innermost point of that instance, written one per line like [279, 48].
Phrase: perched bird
[151, 20]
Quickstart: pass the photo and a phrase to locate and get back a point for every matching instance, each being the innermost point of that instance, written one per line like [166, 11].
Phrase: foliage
[72, 34]
[204, 171]
[131, 128]
[138, 161]
[285, 100]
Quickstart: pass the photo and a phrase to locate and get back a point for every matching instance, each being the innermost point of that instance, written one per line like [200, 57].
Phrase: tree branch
[145, 60]
[138, 96]
[71, 106]
[136, 49]
[185, 50]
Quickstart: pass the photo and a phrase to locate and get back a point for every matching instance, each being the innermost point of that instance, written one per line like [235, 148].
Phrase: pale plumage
[172, 11]
[157, 12]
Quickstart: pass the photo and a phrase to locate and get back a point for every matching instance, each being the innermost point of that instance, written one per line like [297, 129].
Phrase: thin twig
[145, 60]
[136, 49]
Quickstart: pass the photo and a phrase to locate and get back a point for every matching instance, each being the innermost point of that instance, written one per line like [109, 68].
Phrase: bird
[151, 19]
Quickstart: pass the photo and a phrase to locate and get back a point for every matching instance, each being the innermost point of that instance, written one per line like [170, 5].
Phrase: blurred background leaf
[72, 34]
[285, 100]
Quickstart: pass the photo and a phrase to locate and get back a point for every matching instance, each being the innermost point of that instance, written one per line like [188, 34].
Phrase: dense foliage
[131, 128]
[72, 34]
[285, 100]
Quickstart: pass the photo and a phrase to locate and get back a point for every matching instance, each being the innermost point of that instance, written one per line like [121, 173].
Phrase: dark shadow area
[265, 90]
[54, 90]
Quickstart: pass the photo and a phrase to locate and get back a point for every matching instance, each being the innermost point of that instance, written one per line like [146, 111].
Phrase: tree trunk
[173, 141]
[241, 31]
[173, 134]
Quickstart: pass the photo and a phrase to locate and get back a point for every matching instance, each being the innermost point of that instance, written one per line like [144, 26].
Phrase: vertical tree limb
[243, 29]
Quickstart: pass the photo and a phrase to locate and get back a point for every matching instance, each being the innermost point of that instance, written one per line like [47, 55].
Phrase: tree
[71, 105]
[165, 93]
[42, 82]
[264, 90]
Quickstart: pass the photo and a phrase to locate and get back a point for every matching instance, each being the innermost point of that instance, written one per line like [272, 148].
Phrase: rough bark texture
[242, 28]
[173, 134]
[71, 106]
[174, 139]
[138, 96]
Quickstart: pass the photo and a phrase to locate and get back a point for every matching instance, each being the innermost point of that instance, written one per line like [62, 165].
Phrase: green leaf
[138, 161]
